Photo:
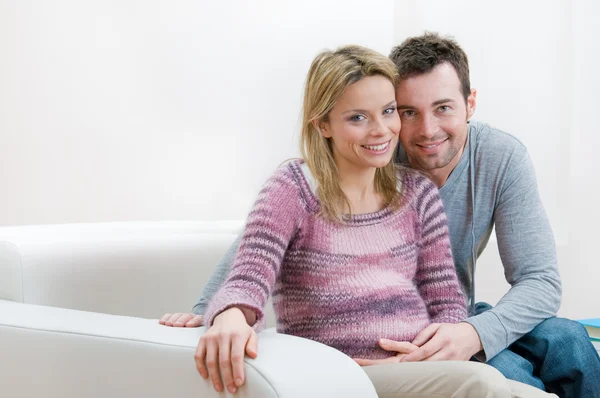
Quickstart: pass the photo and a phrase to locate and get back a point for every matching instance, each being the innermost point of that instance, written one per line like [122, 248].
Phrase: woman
[351, 247]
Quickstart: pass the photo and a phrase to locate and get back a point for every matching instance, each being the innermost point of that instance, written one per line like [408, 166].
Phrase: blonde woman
[351, 247]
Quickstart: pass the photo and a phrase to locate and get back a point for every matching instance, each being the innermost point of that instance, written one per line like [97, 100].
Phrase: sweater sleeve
[528, 253]
[436, 276]
[271, 226]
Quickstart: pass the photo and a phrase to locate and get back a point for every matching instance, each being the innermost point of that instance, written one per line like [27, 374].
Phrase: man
[486, 180]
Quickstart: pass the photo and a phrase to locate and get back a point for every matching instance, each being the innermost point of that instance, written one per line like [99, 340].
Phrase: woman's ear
[322, 127]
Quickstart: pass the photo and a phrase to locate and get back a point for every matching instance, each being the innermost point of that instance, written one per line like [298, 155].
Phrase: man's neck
[440, 176]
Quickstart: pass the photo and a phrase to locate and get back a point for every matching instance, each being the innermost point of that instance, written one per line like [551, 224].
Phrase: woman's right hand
[182, 320]
[223, 347]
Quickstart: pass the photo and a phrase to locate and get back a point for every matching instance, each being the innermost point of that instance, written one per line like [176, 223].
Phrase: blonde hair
[329, 75]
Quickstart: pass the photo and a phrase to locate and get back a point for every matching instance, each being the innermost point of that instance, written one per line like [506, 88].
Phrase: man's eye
[444, 108]
[389, 111]
[357, 118]
[408, 113]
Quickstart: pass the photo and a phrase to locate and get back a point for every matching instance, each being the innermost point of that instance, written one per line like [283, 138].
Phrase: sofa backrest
[142, 269]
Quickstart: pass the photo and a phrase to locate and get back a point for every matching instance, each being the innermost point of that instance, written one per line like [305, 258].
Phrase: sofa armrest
[56, 352]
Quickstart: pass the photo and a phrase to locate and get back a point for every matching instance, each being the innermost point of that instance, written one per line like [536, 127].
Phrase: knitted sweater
[386, 274]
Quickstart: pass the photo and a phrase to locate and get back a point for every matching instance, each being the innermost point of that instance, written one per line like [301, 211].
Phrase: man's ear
[322, 127]
[471, 103]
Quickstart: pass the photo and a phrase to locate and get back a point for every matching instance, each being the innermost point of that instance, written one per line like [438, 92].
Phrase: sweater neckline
[308, 187]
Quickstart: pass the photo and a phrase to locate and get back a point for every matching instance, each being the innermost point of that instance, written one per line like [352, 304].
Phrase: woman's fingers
[225, 362]
[371, 362]
[401, 347]
[200, 357]
[212, 364]
[238, 348]
[252, 345]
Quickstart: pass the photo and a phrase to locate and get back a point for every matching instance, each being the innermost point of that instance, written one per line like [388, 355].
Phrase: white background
[179, 110]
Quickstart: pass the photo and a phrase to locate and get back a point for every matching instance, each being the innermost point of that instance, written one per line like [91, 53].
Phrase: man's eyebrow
[365, 111]
[442, 101]
[438, 102]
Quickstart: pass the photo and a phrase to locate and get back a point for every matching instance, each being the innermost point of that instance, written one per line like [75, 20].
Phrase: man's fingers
[172, 319]
[441, 355]
[424, 352]
[401, 347]
[252, 345]
[164, 319]
[370, 362]
[195, 321]
[182, 320]
[426, 334]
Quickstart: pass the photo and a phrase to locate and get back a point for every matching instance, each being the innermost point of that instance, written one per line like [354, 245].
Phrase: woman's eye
[389, 111]
[357, 118]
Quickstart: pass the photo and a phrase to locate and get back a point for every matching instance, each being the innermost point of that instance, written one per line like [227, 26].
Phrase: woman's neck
[359, 186]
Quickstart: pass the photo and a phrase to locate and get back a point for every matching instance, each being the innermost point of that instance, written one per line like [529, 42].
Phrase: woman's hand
[400, 348]
[182, 320]
[223, 347]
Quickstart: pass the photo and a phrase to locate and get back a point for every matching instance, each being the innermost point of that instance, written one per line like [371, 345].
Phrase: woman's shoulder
[414, 182]
[291, 175]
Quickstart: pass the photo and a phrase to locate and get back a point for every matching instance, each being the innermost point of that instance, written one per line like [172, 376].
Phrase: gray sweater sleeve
[217, 279]
[528, 253]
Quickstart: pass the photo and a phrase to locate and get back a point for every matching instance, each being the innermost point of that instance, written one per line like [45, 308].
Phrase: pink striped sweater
[387, 274]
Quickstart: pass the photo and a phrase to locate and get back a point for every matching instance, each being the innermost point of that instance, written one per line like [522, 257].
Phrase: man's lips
[431, 148]
[431, 145]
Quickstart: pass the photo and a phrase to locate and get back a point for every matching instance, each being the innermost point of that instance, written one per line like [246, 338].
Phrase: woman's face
[363, 125]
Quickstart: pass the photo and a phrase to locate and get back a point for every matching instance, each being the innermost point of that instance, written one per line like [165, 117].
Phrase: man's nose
[428, 126]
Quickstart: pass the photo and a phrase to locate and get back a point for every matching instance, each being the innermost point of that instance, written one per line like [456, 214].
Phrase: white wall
[156, 110]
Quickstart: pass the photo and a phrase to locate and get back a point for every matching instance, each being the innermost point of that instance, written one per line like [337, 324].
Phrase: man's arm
[217, 278]
[528, 254]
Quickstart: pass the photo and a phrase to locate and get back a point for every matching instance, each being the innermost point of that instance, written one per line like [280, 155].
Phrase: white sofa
[79, 306]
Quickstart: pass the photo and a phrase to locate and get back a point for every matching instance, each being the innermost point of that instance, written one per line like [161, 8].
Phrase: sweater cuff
[226, 300]
[492, 334]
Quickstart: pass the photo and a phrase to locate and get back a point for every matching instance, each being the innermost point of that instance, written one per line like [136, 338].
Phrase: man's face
[434, 119]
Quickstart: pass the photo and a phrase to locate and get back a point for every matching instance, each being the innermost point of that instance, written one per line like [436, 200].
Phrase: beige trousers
[446, 379]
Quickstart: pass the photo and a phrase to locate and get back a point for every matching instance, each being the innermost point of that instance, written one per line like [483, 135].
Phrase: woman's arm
[436, 276]
[273, 221]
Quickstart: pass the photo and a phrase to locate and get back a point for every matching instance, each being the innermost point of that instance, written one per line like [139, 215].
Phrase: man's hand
[445, 342]
[181, 320]
[400, 348]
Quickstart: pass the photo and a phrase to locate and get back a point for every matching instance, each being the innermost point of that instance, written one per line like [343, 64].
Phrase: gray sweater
[505, 195]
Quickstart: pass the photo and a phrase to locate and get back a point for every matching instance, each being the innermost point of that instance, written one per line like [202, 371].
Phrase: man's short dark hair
[420, 54]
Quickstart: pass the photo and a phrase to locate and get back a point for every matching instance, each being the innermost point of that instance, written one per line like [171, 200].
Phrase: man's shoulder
[495, 147]
[491, 139]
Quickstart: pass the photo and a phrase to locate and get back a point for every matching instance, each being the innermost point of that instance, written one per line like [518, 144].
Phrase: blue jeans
[556, 356]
